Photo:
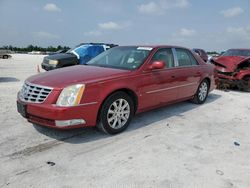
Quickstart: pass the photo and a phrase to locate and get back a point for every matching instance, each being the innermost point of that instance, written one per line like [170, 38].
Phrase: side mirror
[157, 65]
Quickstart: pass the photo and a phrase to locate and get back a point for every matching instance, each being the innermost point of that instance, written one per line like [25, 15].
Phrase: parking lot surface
[181, 145]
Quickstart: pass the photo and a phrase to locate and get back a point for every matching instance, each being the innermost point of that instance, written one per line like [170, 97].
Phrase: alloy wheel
[203, 89]
[118, 113]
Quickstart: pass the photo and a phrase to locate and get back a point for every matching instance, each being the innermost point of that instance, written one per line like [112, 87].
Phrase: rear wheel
[5, 57]
[201, 93]
[116, 113]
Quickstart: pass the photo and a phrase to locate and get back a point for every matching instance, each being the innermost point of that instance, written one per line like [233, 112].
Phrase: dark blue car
[80, 54]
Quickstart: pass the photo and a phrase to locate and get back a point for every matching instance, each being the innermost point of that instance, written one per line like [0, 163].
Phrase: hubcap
[203, 91]
[118, 113]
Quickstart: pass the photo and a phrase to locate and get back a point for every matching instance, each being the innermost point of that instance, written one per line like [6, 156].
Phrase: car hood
[228, 63]
[63, 77]
[61, 56]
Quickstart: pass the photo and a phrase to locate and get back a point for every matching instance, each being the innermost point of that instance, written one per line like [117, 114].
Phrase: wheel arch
[207, 79]
[128, 91]
[246, 76]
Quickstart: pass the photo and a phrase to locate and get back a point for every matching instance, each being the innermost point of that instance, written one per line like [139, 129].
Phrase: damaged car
[233, 69]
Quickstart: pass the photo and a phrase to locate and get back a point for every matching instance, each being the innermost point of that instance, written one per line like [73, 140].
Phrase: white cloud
[45, 35]
[151, 8]
[232, 12]
[110, 26]
[181, 3]
[184, 32]
[50, 7]
[239, 32]
[231, 37]
[95, 33]
[161, 6]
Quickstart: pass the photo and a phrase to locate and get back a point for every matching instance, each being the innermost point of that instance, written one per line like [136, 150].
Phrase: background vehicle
[114, 86]
[57, 52]
[233, 68]
[201, 53]
[5, 54]
[80, 54]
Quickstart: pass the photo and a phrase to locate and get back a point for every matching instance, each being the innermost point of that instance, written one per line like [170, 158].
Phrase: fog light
[64, 123]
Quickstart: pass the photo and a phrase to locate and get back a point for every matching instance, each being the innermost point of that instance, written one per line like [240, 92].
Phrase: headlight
[53, 62]
[71, 95]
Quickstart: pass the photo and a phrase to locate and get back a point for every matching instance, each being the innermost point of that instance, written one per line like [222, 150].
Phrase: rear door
[189, 72]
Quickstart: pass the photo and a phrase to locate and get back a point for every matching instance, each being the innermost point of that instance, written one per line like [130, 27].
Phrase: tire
[116, 113]
[5, 57]
[201, 93]
[246, 84]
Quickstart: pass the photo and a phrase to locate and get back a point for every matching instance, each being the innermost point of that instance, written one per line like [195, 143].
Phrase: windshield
[71, 49]
[235, 52]
[129, 58]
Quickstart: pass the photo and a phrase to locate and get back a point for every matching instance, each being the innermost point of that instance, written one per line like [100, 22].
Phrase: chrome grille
[34, 93]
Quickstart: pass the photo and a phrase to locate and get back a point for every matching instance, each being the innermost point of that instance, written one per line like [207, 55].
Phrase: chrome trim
[168, 88]
[84, 104]
[176, 64]
[34, 93]
[89, 103]
[36, 85]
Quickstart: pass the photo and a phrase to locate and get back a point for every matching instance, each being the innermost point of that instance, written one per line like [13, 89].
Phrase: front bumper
[231, 81]
[48, 67]
[50, 115]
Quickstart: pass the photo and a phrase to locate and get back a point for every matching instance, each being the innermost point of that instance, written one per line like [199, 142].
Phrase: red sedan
[114, 86]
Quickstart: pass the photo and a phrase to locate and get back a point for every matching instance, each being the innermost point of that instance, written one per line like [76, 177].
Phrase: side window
[166, 56]
[185, 58]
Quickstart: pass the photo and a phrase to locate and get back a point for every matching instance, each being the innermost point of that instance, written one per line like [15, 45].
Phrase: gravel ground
[182, 145]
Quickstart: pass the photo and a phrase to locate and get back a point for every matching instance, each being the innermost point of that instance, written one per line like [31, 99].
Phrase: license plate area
[22, 109]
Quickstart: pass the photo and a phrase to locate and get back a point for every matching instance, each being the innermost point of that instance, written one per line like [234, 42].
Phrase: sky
[209, 24]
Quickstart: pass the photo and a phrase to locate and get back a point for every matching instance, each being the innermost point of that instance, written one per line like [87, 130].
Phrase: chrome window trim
[176, 63]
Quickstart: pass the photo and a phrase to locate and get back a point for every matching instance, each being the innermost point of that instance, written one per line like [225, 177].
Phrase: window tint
[185, 58]
[166, 56]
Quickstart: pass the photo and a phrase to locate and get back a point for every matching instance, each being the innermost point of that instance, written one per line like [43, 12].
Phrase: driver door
[160, 84]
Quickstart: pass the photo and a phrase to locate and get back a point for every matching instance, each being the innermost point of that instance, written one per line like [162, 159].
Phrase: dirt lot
[182, 145]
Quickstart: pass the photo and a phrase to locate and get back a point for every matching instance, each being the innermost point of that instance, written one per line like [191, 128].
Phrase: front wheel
[201, 93]
[5, 57]
[116, 113]
[246, 81]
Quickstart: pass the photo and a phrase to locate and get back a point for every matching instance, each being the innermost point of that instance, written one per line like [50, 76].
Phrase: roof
[156, 46]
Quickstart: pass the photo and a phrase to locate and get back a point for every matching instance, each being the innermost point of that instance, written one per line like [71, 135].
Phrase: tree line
[31, 48]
